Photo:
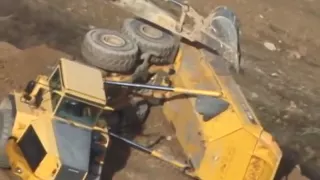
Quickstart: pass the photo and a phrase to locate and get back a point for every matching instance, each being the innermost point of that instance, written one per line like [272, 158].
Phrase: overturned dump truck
[59, 126]
[218, 131]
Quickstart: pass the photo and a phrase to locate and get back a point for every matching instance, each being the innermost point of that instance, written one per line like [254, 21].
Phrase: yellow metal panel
[228, 158]
[25, 115]
[41, 120]
[86, 98]
[44, 129]
[222, 125]
[227, 146]
[178, 60]
[83, 79]
[48, 167]
[193, 72]
[182, 116]
[265, 160]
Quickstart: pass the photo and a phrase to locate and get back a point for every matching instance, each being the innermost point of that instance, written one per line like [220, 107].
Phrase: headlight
[18, 170]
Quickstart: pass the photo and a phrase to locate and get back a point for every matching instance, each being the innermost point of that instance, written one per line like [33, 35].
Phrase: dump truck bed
[228, 142]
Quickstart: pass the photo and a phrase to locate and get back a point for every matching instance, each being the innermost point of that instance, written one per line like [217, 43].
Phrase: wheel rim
[113, 40]
[151, 31]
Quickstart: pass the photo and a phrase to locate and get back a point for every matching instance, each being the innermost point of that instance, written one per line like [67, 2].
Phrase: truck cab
[53, 123]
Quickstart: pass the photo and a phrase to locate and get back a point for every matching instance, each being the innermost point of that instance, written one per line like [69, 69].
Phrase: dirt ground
[280, 80]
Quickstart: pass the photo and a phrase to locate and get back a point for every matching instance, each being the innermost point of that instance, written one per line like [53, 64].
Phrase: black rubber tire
[165, 45]
[120, 59]
[6, 124]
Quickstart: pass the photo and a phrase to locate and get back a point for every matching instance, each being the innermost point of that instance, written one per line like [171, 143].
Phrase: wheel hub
[151, 31]
[113, 40]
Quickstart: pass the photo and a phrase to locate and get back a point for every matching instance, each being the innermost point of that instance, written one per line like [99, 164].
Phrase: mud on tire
[109, 50]
[149, 38]
[6, 123]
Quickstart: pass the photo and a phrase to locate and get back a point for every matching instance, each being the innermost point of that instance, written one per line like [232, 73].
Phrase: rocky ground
[280, 42]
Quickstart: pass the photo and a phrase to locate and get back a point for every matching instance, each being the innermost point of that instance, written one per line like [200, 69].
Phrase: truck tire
[109, 50]
[149, 38]
[6, 123]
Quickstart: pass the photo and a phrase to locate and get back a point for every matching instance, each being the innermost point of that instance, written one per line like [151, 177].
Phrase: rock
[294, 54]
[294, 109]
[292, 105]
[259, 70]
[91, 27]
[254, 95]
[286, 116]
[270, 46]
[275, 74]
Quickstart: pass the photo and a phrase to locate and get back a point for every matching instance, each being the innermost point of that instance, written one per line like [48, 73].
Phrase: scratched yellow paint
[230, 146]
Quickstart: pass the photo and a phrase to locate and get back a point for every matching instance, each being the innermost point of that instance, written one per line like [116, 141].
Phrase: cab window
[78, 111]
[55, 81]
[55, 98]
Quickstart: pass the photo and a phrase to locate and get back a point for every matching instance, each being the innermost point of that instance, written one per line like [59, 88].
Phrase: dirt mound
[17, 67]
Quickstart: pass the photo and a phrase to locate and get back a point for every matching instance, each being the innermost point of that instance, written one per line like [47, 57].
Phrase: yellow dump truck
[54, 130]
[218, 131]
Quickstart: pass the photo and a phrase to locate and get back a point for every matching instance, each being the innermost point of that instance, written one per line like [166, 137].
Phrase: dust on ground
[280, 81]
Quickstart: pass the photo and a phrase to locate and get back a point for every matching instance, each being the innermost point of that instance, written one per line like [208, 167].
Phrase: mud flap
[224, 25]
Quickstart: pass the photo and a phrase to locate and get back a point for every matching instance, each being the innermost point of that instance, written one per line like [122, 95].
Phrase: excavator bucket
[223, 31]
